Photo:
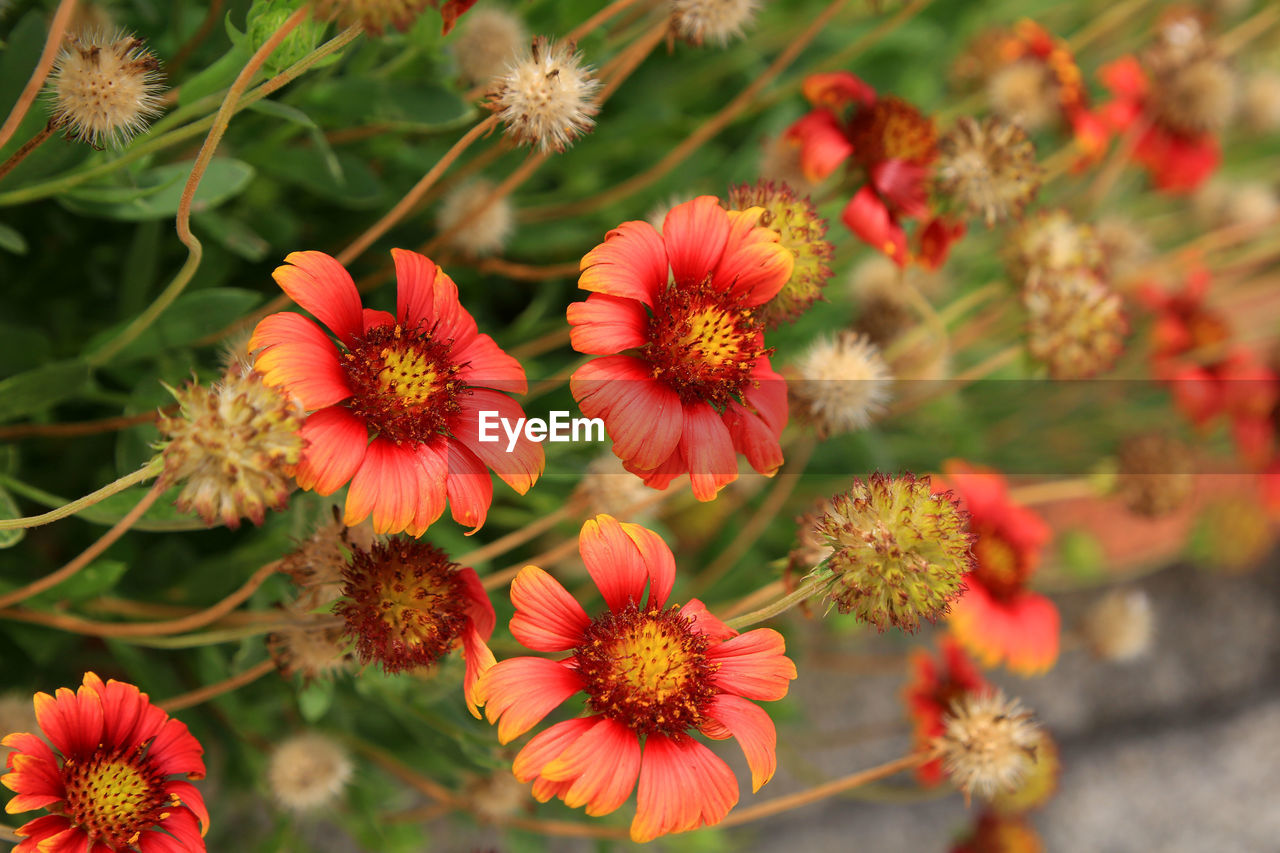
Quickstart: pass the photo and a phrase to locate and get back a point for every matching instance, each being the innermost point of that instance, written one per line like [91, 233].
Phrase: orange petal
[322, 286]
[547, 618]
[753, 665]
[602, 764]
[631, 263]
[518, 692]
[695, 233]
[334, 445]
[755, 732]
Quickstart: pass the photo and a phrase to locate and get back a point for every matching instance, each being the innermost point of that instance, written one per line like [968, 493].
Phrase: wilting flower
[699, 387]
[803, 232]
[719, 21]
[999, 620]
[988, 167]
[651, 675]
[899, 551]
[988, 744]
[407, 605]
[894, 144]
[548, 98]
[841, 384]
[937, 685]
[307, 772]
[1076, 324]
[487, 42]
[108, 785]
[105, 88]
[416, 383]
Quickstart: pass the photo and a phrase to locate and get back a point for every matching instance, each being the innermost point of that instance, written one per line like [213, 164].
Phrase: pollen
[893, 129]
[113, 797]
[105, 88]
[405, 385]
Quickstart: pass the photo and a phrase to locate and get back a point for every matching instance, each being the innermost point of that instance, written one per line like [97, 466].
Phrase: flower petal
[631, 263]
[384, 487]
[543, 748]
[659, 562]
[374, 317]
[605, 325]
[868, 217]
[683, 785]
[602, 764]
[753, 439]
[767, 394]
[547, 617]
[433, 481]
[300, 359]
[755, 265]
[322, 286]
[483, 363]
[755, 732]
[706, 445]
[427, 298]
[479, 659]
[823, 143]
[518, 692]
[753, 665]
[642, 416]
[334, 444]
[190, 796]
[614, 561]
[521, 466]
[695, 233]
[705, 623]
[176, 751]
[470, 487]
[904, 184]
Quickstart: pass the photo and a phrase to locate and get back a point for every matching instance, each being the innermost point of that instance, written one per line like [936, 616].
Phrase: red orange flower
[651, 675]
[999, 620]
[936, 685]
[416, 383]
[108, 785]
[698, 387]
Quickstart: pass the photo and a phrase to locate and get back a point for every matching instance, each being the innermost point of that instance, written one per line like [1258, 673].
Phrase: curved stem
[516, 538]
[94, 427]
[52, 44]
[527, 272]
[151, 469]
[806, 590]
[554, 339]
[88, 555]
[27, 147]
[204, 694]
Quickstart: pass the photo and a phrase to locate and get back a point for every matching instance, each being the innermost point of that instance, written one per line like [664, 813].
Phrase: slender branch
[88, 555]
[146, 472]
[7, 833]
[805, 591]
[527, 272]
[212, 691]
[516, 538]
[404, 773]
[554, 339]
[77, 428]
[1053, 491]
[52, 44]
[979, 371]
[27, 147]
[619, 68]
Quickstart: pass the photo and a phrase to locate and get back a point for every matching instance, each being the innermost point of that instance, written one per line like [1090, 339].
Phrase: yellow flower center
[404, 383]
[1000, 568]
[113, 798]
[409, 375]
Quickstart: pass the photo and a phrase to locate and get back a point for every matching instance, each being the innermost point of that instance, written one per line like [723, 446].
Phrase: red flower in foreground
[415, 383]
[651, 675]
[999, 620]
[894, 145]
[698, 387]
[935, 686]
[108, 784]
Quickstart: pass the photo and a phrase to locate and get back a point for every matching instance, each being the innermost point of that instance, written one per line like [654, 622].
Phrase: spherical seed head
[609, 488]
[899, 551]
[234, 444]
[842, 384]
[1198, 97]
[1025, 92]
[1077, 324]
[472, 225]
[1261, 102]
[719, 21]
[1119, 626]
[800, 229]
[309, 651]
[988, 167]
[105, 88]
[548, 98]
[988, 744]
[1155, 476]
[1125, 247]
[488, 40]
[1051, 241]
[374, 15]
[495, 797]
[308, 772]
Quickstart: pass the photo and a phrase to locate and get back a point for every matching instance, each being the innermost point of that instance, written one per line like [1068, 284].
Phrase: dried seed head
[374, 15]
[309, 651]
[800, 229]
[1199, 97]
[899, 551]
[1125, 247]
[1025, 92]
[1156, 474]
[1119, 626]
[235, 445]
[105, 88]
[1261, 107]
[1040, 784]
[472, 224]
[1076, 323]
[489, 39]
[988, 744]
[609, 488]
[546, 99]
[308, 772]
[1051, 241]
[719, 21]
[842, 384]
[989, 168]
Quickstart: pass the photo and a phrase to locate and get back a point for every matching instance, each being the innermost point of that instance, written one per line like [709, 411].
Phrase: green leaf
[91, 581]
[9, 509]
[36, 390]
[217, 76]
[157, 192]
[365, 100]
[233, 234]
[315, 699]
[12, 241]
[191, 317]
[298, 117]
[358, 187]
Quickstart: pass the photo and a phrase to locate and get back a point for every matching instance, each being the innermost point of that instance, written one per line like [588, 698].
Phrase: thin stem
[52, 44]
[751, 600]
[622, 66]
[979, 371]
[210, 21]
[88, 555]
[27, 147]
[404, 773]
[527, 272]
[94, 427]
[1115, 14]
[195, 250]
[212, 691]
[805, 591]
[151, 469]
[1053, 491]
[1244, 32]
[516, 538]
[554, 339]
[7, 833]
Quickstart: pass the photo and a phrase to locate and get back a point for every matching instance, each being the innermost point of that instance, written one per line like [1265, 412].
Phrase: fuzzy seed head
[1025, 92]
[1261, 102]
[988, 744]
[1125, 247]
[800, 229]
[105, 88]
[474, 226]
[1199, 97]
[1049, 242]
[374, 15]
[489, 39]
[719, 21]
[843, 383]
[1155, 476]
[1076, 324]
[609, 488]
[308, 772]
[234, 444]
[1119, 626]
[547, 99]
[989, 168]
[899, 551]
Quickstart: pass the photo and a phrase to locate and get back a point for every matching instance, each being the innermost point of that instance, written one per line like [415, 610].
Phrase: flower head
[802, 231]
[698, 387]
[988, 167]
[1119, 626]
[651, 675]
[407, 605]
[1024, 92]
[842, 384]
[472, 224]
[109, 785]
[899, 551]
[1156, 475]
[719, 21]
[1076, 323]
[988, 744]
[548, 98]
[999, 619]
[307, 772]
[1051, 241]
[937, 684]
[487, 42]
[234, 445]
[414, 382]
[105, 88]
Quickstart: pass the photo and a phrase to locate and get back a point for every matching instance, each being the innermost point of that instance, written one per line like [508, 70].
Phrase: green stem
[804, 591]
[151, 469]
